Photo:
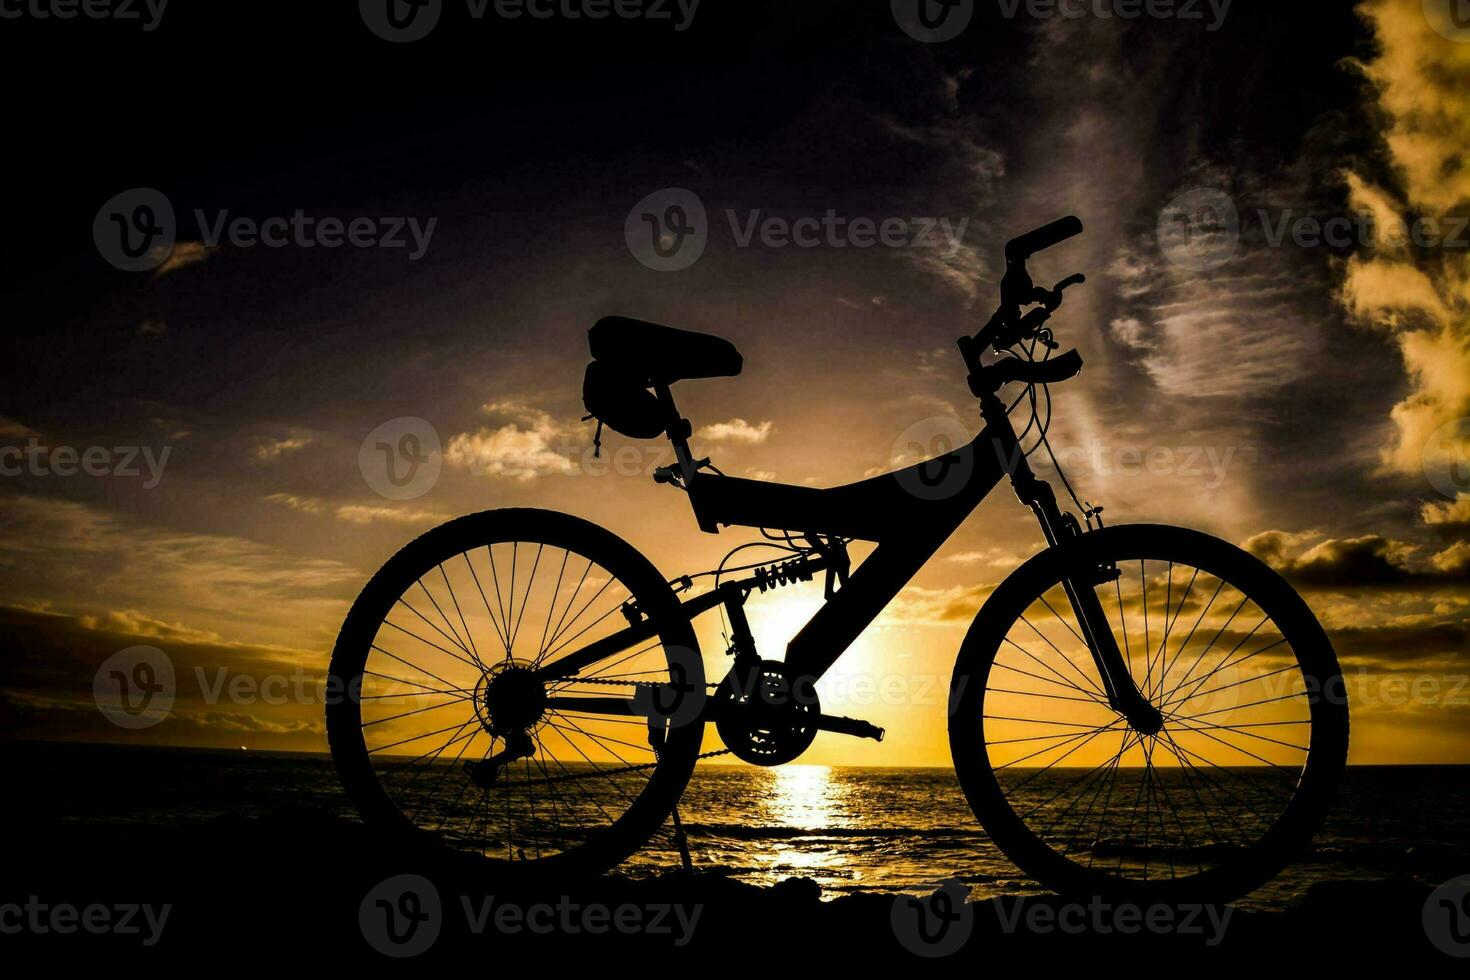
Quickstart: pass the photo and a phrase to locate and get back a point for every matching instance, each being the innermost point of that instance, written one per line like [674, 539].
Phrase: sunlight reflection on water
[804, 797]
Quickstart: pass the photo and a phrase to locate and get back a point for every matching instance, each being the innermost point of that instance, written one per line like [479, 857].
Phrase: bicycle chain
[609, 772]
[607, 682]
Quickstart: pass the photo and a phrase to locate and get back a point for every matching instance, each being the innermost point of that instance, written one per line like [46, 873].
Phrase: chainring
[765, 720]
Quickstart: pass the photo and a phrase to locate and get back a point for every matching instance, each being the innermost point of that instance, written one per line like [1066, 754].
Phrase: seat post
[678, 430]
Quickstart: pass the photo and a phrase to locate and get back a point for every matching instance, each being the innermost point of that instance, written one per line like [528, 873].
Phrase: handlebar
[1009, 326]
[1021, 248]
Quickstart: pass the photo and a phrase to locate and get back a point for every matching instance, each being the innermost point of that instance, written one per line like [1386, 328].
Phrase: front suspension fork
[1122, 692]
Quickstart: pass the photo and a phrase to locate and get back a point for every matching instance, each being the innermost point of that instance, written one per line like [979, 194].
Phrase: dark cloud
[50, 660]
[1368, 562]
[1400, 647]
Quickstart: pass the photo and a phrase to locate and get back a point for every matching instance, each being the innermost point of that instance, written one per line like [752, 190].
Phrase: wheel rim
[448, 654]
[1081, 797]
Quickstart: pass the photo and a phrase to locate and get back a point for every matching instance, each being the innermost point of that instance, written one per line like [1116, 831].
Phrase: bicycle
[1101, 757]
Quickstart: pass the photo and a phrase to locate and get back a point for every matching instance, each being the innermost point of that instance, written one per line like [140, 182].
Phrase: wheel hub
[509, 698]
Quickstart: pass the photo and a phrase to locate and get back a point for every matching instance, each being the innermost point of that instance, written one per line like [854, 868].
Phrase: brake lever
[1052, 298]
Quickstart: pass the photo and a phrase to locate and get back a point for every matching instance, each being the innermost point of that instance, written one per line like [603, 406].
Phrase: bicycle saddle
[661, 355]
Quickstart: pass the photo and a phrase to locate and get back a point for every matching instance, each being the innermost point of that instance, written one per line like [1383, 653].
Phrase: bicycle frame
[909, 514]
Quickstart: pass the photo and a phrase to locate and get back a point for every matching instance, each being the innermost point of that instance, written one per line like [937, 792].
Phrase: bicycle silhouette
[1139, 709]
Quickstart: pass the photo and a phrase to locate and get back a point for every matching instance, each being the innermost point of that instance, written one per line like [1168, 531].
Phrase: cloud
[1446, 643]
[307, 505]
[357, 514]
[918, 606]
[51, 548]
[134, 623]
[184, 254]
[1422, 89]
[1368, 562]
[1454, 561]
[1179, 326]
[532, 445]
[268, 449]
[736, 430]
[991, 557]
[1454, 514]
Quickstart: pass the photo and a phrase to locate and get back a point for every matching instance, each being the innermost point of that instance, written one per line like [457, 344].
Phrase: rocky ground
[302, 888]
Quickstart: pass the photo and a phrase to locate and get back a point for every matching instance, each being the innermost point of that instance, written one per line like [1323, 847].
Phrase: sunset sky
[1303, 400]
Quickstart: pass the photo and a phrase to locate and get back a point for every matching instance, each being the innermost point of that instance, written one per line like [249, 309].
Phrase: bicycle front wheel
[1255, 727]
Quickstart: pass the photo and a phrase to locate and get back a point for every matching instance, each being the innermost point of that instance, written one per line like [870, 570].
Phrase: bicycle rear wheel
[440, 657]
[1255, 720]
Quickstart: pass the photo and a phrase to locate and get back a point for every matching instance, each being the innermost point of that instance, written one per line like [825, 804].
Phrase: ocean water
[849, 828]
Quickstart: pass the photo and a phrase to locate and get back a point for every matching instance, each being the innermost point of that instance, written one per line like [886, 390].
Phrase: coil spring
[785, 573]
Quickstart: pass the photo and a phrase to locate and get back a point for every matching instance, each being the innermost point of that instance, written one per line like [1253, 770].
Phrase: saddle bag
[622, 401]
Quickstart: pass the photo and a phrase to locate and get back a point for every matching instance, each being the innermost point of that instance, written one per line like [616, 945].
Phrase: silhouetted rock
[300, 884]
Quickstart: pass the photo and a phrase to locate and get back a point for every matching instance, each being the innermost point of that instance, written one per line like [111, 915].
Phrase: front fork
[1122, 692]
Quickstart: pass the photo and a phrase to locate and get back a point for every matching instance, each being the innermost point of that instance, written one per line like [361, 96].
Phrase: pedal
[849, 726]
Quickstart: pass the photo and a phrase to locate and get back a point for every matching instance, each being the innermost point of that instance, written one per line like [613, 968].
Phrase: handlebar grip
[1023, 247]
[1049, 372]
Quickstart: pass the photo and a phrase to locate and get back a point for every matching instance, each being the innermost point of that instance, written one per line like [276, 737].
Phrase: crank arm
[849, 726]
